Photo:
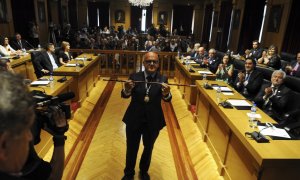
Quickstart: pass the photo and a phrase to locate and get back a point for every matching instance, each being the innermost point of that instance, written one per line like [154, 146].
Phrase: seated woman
[225, 69]
[64, 55]
[6, 49]
[270, 58]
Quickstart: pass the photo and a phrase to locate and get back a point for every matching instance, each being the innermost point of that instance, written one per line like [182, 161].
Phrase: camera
[44, 111]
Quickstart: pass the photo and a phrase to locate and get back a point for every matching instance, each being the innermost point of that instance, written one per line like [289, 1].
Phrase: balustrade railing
[124, 62]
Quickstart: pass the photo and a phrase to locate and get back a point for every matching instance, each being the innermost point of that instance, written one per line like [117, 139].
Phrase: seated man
[19, 44]
[273, 96]
[254, 53]
[47, 62]
[195, 50]
[211, 62]
[248, 82]
[202, 54]
[17, 115]
[294, 68]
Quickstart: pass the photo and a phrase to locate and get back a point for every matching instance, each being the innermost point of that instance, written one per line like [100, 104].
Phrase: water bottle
[178, 54]
[51, 77]
[219, 91]
[39, 46]
[252, 116]
[204, 79]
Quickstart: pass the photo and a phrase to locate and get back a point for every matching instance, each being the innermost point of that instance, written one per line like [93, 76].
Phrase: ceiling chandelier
[141, 3]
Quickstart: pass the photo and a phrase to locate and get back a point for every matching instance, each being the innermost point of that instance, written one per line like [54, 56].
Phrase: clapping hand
[241, 76]
[268, 91]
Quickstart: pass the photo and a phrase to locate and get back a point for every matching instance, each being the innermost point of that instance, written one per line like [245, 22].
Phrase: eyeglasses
[151, 61]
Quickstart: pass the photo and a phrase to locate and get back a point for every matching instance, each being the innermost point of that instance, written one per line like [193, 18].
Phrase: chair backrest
[35, 55]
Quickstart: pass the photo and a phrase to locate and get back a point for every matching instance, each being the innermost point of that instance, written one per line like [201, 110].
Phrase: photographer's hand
[60, 125]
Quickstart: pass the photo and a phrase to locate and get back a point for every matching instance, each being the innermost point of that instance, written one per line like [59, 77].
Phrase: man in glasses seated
[144, 116]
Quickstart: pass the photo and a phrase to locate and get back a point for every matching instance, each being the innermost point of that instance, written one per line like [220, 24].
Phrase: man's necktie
[20, 44]
[247, 77]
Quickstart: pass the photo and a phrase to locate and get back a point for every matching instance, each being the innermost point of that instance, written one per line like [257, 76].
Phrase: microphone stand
[31, 46]
[170, 84]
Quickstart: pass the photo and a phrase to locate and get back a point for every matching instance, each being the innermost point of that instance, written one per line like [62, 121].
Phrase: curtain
[207, 23]
[292, 37]
[136, 17]
[223, 26]
[251, 24]
[182, 19]
[103, 14]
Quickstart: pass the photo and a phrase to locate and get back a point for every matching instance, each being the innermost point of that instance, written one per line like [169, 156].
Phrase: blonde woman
[64, 55]
[270, 58]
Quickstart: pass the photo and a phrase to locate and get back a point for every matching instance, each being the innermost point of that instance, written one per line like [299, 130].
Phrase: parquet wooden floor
[105, 157]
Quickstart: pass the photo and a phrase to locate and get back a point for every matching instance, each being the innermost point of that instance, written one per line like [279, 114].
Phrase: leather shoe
[144, 176]
[127, 177]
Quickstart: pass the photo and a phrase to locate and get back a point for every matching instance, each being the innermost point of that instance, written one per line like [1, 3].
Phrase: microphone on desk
[258, 136]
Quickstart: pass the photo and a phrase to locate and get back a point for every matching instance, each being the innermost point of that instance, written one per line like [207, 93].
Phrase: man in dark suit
[294, 68]
[248, 82]
[256, 52]
[47, 61]
[18, 43]
[273, 96]
[211, 62]
[144, 116]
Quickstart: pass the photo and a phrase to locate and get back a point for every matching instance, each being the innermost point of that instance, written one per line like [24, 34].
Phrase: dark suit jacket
[139, 111]
[213, 64]
[274, 62]
[43, 62]
[296, 73]
[256, 53]
[254, 83]
[14, 44]
[277, 105]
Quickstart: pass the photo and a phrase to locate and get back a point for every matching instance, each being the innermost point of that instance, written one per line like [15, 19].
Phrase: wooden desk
[183, 76]
[237, 156]
[84, 77]
[55, 89]
[23, 66]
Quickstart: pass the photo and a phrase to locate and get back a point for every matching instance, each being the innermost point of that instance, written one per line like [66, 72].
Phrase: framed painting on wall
[162, 18]
[41, 11]
[3, 11]
[120, 16]
[275, 18]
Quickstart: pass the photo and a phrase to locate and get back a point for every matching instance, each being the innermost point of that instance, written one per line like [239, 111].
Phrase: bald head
[151, 56]
[151, 62]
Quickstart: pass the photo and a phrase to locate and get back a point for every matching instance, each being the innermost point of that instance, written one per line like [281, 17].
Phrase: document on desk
[205, 72]
[278, 132]
[238, 102]
[223, 88]
[80, 58]
[39, 82]
[191, 62]
[70, 65]
[228, 93]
